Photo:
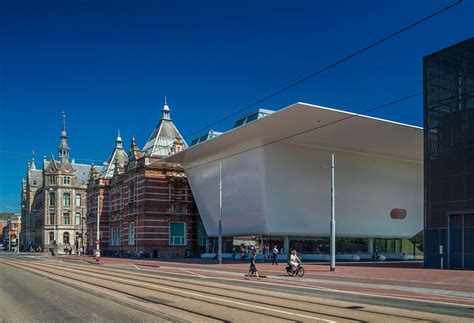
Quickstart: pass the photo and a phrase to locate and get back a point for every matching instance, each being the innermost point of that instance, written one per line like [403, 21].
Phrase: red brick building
[145, 205]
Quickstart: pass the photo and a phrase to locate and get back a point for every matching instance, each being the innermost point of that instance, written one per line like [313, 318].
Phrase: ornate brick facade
[146, 207]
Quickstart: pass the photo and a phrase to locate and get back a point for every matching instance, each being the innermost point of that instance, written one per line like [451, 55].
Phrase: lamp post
[18, 232]
[9, 234]
[98, 230]
[333, 219]
[82, 230]
[219, 248]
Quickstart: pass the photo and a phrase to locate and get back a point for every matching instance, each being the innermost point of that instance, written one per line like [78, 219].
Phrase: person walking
[275, 253]
[253, 266]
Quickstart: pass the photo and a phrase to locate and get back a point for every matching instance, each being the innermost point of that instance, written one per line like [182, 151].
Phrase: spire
[134, 152]
[166, 111]
[118, 141]
[33, 166]
[63, 148]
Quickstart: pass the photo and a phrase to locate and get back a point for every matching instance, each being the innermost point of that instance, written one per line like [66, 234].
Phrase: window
[52, 218]
[202, 236]
[78, 199]
[52, 180]
[78, 218]
[51, 237]
[177, 233]
[131, 234]
[67, 180]
[66, 237]
[67, 199]
[52, 199]
[66, 218]
[34, 183]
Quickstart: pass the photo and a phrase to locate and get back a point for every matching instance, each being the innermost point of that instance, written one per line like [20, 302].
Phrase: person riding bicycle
[295, 261]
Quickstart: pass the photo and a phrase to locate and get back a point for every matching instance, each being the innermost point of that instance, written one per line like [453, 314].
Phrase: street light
[332, 222]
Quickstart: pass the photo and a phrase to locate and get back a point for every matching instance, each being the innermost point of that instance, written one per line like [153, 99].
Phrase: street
[38, 288]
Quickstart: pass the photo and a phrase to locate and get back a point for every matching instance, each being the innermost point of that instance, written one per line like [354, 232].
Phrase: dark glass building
[448, 77]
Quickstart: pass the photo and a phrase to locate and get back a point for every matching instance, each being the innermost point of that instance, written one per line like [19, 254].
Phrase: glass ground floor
[361, 248]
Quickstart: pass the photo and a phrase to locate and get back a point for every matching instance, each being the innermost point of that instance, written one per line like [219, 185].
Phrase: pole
[98, 219]
[220, 215]
[9, 234]
[333, 219]
[18, 235]
[82, 231]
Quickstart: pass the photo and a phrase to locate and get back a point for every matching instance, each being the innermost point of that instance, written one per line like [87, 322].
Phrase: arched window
[52, 199]
[78, 218]
[67, 199]
[66, 237]
[66, 219]
[51, 237]
[78, 199]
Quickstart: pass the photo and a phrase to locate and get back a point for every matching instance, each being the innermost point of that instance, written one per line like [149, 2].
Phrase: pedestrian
[253, 266]
[275, 253]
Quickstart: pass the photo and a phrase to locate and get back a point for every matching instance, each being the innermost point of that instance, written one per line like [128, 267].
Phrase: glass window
[177, 233]
[51, 218]
[67, 180]
[67, 199]
[52, 199]
[251, 118]
[66, 218]
[78, 218]
[78, 199]
[51, 237]
[201, 235]
[238, 123]
[131, 234]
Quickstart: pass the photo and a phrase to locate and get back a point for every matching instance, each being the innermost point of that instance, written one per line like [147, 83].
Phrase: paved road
[27, 297]
[161, 295]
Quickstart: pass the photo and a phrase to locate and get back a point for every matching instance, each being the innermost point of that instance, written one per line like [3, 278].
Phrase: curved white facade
[283, 189]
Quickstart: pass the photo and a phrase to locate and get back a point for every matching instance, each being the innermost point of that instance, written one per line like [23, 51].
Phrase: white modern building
[277, 184]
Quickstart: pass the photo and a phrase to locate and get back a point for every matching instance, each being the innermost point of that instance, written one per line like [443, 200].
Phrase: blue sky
[109, 64]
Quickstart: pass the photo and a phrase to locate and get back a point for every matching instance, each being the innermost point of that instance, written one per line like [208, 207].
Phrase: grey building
[54, 200]
[448, 77]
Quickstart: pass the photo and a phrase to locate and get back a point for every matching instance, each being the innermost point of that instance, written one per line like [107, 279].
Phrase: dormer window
[34, 183]
[52, 180]
[67, 180]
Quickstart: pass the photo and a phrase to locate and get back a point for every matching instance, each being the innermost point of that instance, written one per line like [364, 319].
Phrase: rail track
[198, 300]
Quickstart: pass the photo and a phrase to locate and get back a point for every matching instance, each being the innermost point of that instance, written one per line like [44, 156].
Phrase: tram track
[247, 307]
[198, 296]
[217, 288]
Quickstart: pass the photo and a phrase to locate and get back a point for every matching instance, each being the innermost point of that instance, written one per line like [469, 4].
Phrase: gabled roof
[118, 156]
[161, 140]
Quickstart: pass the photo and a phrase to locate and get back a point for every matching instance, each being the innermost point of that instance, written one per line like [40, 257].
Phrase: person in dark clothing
[253, 266]
[275, 253]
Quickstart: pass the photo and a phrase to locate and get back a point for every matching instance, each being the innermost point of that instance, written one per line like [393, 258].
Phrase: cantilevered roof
[338, 130]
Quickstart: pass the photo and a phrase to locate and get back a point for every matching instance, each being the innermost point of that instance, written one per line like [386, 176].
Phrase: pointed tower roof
[161, 140]
[134, 152]
[118, 156]
[33, 166]
[63, 148]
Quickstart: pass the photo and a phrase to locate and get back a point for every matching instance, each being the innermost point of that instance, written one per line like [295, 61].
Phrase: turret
[63, 148]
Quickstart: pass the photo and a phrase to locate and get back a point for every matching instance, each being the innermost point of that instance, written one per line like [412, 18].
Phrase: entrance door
[461, 233]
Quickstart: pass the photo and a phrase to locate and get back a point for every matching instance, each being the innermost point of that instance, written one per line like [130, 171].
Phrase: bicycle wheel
[301, 272]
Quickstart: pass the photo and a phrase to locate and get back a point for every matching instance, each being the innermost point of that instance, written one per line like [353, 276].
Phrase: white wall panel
[282, 189]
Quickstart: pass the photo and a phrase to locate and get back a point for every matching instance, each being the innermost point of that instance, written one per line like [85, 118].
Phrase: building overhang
[333, 129]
